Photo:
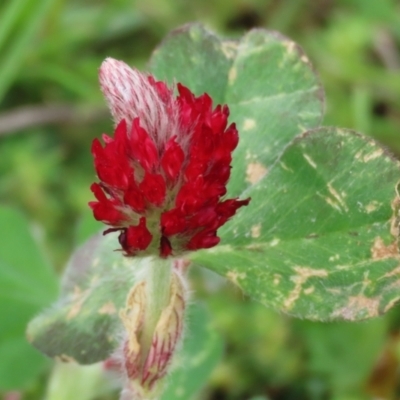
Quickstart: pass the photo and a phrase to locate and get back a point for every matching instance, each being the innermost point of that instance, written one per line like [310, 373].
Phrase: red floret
[179, 176]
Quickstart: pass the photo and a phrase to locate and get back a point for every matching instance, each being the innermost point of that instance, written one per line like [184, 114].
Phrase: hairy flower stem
[158, 282]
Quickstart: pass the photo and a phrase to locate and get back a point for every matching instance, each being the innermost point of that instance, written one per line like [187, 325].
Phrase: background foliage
[51, 109]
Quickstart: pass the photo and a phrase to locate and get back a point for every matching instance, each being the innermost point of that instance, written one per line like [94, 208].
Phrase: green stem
[158, 282]
[72, 381]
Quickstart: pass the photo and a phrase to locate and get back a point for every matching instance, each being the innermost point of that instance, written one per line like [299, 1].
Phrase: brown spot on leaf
[334, 291]
[310, 160]
[248, 124]
[359, 307]
[229, 48]
[232, 75]
[108, 308]
[380, 251]
[394, 222]
[305, 59]
[339, 197]
[256, 247]
[391, 303]
[366, 157]
[371, 156]
[372, 206]
[234, 276]
[285, 167]
[393, 272]
[255, 171]
[309, 290]
[65, 358]
[79, 298]
[277, 279]
[301, 277]
[290, 46]
[74, 311]
[274, 242]
[256, 231]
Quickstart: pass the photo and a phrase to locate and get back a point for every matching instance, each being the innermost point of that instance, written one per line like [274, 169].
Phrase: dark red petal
[113, 175]
[172, 222]
[153, 188]
[185, 93]
[106, 213]
[219, 120]
[98, 192]
[231, 137]
[143, 148]
[135, 238]
[185, 102]
[203, 240]
[191, 197]
[162, 89]
[172, 159]
[133, 197]
[110, 230]
[214, 189]
[204, 103]
[97, 149]
[205, 217]
[165, 247]
[121, 139]
[105, 209]
[219, 172]
[111, 163]
[203, 143]
[229, 207]
[196, 167]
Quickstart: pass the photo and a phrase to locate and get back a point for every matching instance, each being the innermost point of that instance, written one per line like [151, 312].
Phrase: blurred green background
[50, 110]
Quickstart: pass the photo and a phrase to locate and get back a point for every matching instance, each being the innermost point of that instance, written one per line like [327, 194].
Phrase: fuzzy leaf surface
[266, 80]
[319, 238]
[84, 324]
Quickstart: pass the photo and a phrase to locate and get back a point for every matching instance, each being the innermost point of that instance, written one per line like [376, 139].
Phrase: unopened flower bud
[166, 336]
[145, 368]
[132, 317]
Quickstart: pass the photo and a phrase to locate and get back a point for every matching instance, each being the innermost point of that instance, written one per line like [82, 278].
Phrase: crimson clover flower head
[163, 175]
